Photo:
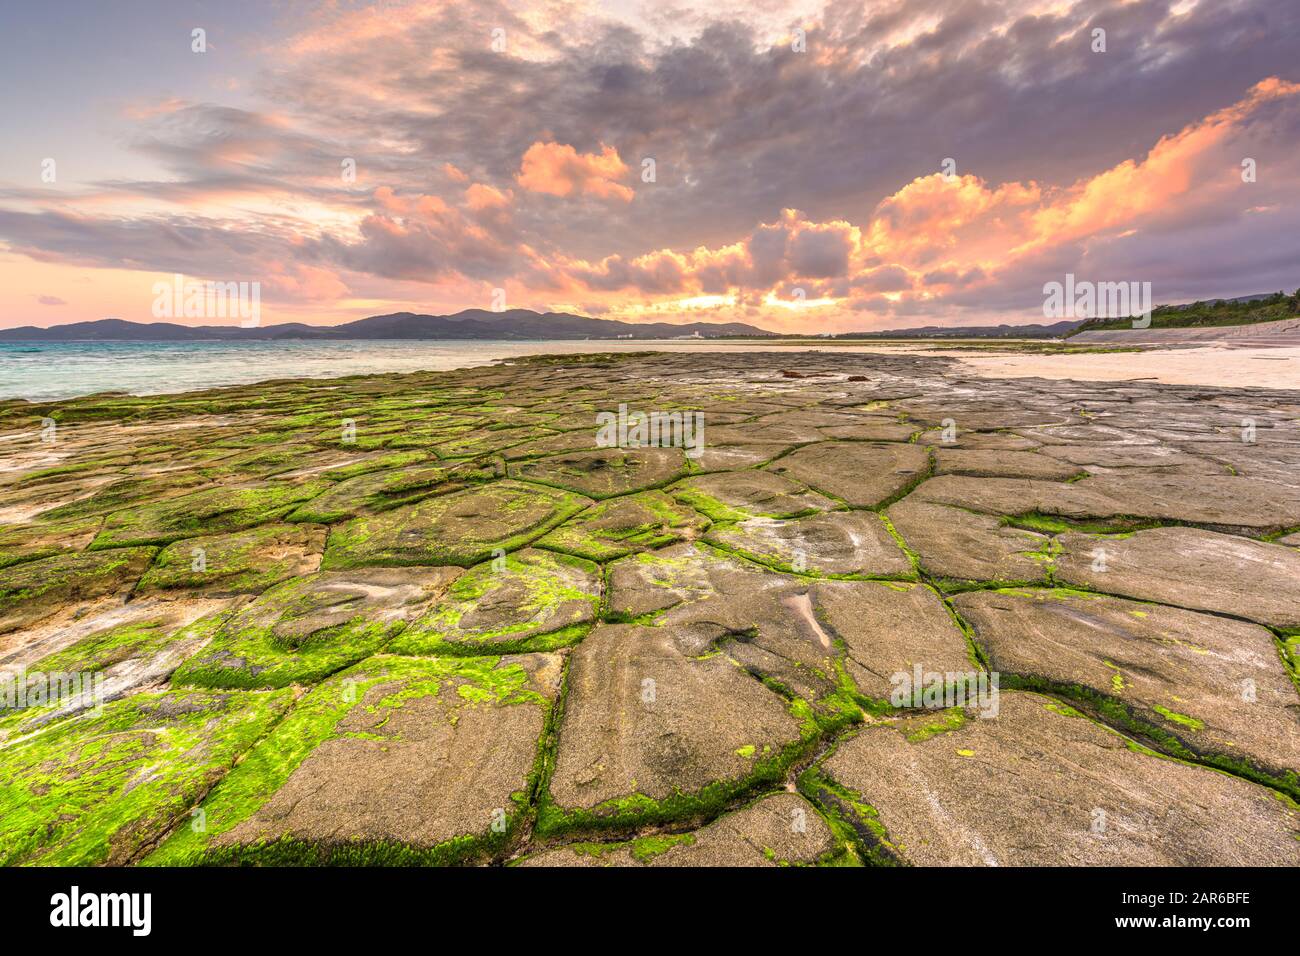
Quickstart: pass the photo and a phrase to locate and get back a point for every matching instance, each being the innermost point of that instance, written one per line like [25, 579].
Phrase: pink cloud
[558, 169]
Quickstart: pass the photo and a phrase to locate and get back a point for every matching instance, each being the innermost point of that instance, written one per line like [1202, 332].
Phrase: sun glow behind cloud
[633, 162]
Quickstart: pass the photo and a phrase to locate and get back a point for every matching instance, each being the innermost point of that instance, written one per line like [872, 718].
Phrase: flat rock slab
[622, 526]
[34, 590]
[398, 760]
[989, 463]
[648, 726]
[462, 528]
[721, 456]
[874, 430]
[212, 511]
[863, 474]
[605, 472]
[1129, 456]
[583, 439]
[1037, 786]
[781, 829]
[1019, 496]
[1220, 501]
[1224, 501]
[391, 488]
[244, 562]
[765, 621]
[991, 441]
[962, 545]
[45, 539]
[99, 788]
[508, 604]
[890, 632]
[788, 630]
[1189, 568]
[1216, 686]
[735, 496]
[307, 628]
[112, 661]
[837, 543]
[99, 496]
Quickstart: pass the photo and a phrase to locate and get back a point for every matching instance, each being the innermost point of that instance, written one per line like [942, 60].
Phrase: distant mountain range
[469, 324]
[524, 324]
[1037, 331]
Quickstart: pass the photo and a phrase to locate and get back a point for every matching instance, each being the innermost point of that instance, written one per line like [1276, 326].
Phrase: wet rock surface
[1040, 785]
[1196, 684]
[879, 613]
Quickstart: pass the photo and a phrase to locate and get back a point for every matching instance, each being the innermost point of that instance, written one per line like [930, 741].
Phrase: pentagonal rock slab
[622, 526]
[765, 621]
[1222, 501]
[45, 539]
[864, 474]
[605, 472]
[34, 590]
[962, 545]
[837, 542]
[398, 760]
[510, 603]
[1213, 685]
[307, 628]
[462, 528]
[890, 632]
[991, 463]
[1040, 785]
[244, 562]
[648, 727]
[1190, 568]
[737, 495]
[379, 491]
[211, 511]
[779, 829]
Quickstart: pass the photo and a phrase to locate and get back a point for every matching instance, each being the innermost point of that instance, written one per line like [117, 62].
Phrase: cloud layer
[821, 167]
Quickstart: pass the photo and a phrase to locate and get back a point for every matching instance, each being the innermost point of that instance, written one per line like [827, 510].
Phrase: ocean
[41, 371]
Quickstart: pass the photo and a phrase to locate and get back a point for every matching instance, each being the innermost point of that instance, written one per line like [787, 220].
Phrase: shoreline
[1211, 365]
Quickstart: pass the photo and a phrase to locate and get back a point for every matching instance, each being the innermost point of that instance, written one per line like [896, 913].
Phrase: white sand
[1213, 365]
[1262, 367]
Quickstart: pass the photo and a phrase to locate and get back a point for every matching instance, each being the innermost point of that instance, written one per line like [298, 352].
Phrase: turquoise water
[40, 371]
[43, 371]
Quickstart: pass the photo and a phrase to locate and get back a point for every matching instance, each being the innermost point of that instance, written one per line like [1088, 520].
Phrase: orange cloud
[479, 196]
[937, 236]
[558, 169]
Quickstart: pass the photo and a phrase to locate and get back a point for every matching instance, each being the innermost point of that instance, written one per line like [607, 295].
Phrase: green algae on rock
[242, 562]
[780, 829]
[1041, 786]
[397, 760]
[211, 511]
[101, 787]
[307, 628]
[621, 526]
[605, 472]
[462, 528]
[529, 600]
[34, 590]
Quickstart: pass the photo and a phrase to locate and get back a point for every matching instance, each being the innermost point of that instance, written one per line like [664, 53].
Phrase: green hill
[1247, 310]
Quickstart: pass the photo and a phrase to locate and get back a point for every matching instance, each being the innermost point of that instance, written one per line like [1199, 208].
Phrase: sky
[803, 166]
